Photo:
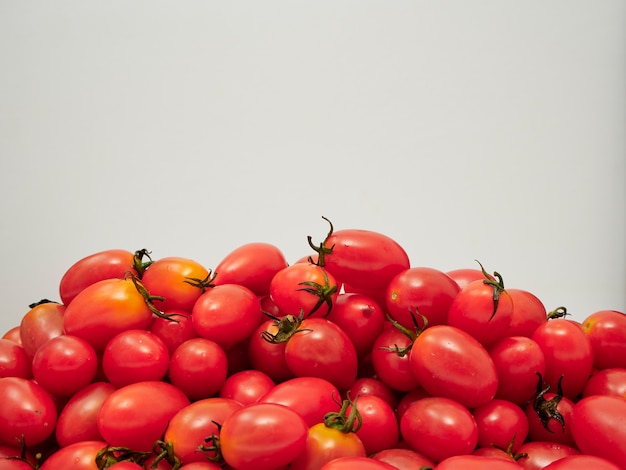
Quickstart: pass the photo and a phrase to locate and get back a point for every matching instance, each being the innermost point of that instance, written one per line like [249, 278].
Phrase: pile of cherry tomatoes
[347, 358]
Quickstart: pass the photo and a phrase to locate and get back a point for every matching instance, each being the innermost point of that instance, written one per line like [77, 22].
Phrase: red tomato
[463, 276]
[106, 308]
[78, 456]
[198, 368]
[360, 317]
[362, 463]
[379, 428]
[483, 309]
[448, 362]
[27, 410]
[439, 428]
[252, 265]
[77, 419]
[598, 425]
[246, 386]
[428, 291]
[108, 264]
[304, 287]
[363, 259]
[391, 358]
[568, 352]
[549, 416]
[64, 365]
[476, 462]
[606, 382]
[266, 356]
[528, 313]
[606, 330]
[174, 330]
[177, 281]
[11, 464]
[408, 399]
[126, 465]
[403, 459]
[280, 431]
[308, 353]
[137, 415]
[41, 323]
[191, 428]
[501, 424]
[227, 314]
[518, 359]
[13, 334]
[14, 362]
[535, 455]
[311, 397]
[372, 386]
[583, 462]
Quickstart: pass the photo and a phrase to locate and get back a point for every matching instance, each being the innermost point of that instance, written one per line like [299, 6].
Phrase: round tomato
[14, 362]
[502, 424]
[176, 283]
[583, 462]
[528, 313]
[137, 415]
[227, 314]
[26, 410]
[134, 356]
[426, 290]
[606, 382]
[252, 265]
[268, 356]
[174, 329]
[476, 462]
[78, 456]
[106, 308]
[403, 459]
[449, 362]
[606, 330]
[391, 358]
[246, 386]
[262, 436]
[535, 455]
[439, 428]
[598, 425]
[378, 429]
[362, 463]
[64, 365]
[41, 323]
[372, 386]
[463, 276]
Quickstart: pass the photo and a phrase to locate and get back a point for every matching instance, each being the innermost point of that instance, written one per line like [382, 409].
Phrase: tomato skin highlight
[606, 382]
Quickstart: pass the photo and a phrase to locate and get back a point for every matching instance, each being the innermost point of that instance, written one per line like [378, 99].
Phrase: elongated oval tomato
[252, 265]
[583, 462]
[41, 323]
[104, 309]
[360, 463]
[536, 455]
[77, 456]
[449, 362]
[137, 415]
[476, 462]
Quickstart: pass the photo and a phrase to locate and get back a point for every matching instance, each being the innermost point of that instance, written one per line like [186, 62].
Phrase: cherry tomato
[11, 464]
[267, 356]
[408, 399]
[502, 424]
[528, 313]
[426, 290]
[449, 362]
[568, 353]
[78, 456]
[379, 427]
[535, 455]
[27, 410]
[311, 397]
[198, 368]
[391, 359]
[583, 462]
[13, 334]
[246, 386]
[304, 287]
[174, 329]
[108, 264]
[362, 463]
[518, 359]
[476, 462]
[404, 459]
[439, 428]
[252, 265]
[606, 382]
[41, 323]
[64, 365]
[191, 428]
[262, 436]
[137, 415]
[606, 330]
[227, 314]
[463, 276]
[14, 362]
[483, 309]
[134, 356]
[373, 386]
[106, 308]
[77, 419]
[363, 259]
[598, 425]
[360, 317]
[177, 281]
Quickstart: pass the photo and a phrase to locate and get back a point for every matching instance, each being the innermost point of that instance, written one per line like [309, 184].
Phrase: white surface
[490, 130]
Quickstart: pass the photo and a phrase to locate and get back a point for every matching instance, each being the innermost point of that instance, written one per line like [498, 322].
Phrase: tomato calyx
[165, 451]
[547, 409]
[149, 299]
[411, 334]
[202, 284]
[343, 420]
[41, 302]
[211, 449]
[109, 455]
[287, 326]
[559, 312]
[496, 282]
[322, 250]
[323, 292]
[139, 265]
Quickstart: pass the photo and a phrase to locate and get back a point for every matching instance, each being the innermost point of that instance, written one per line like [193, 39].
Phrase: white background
[490, 130]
